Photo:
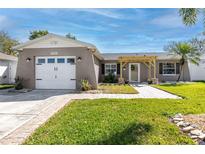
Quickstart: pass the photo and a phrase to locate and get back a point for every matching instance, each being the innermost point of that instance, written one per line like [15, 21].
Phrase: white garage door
[197, 72]
[55, 73]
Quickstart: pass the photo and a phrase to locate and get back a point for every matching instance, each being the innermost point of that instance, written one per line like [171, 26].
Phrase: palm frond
[189, 15]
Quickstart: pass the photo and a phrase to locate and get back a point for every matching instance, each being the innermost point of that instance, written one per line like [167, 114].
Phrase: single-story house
[8, 65]
[57, 62]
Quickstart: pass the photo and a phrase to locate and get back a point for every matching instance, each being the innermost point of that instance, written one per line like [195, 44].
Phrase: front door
[134, 72]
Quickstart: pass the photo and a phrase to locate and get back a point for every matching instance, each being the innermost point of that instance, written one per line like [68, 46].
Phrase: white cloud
[94, 28]
[4, 22]
[103, 12]
[171, 20]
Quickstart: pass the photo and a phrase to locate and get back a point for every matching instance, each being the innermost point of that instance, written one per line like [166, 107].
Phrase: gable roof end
[4, 56]
[76, 43]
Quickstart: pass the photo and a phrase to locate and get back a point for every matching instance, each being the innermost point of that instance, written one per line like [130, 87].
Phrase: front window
[110, 69]
[169, 68]
[51, 60]
[60, 60]
[71, 60]
[41, 60]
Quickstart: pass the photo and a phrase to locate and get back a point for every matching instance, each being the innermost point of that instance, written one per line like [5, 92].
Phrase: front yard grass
[6, 86]
[117, 89]
[122, 121]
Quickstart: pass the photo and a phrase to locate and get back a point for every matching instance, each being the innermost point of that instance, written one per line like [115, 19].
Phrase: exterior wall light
[28, 59]
[79, 59]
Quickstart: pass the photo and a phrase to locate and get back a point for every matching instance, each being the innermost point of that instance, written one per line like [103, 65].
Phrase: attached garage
[55, 72]
[56, 62]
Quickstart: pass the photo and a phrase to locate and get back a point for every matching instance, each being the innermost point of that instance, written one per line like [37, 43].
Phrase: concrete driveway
[17, 109]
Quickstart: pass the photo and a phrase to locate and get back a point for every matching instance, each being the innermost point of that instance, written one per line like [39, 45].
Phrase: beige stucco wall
[144, 72]
[84, 68]
[185, 76]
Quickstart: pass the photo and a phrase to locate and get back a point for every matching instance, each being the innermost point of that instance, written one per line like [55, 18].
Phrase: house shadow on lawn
[133, 134]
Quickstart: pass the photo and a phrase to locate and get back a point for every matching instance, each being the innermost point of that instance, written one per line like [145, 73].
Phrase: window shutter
[160, 68]
[118, 68]
[177, 68]
[103, 68]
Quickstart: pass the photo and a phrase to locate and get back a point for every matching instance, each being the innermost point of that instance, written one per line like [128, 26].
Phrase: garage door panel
[55, 73]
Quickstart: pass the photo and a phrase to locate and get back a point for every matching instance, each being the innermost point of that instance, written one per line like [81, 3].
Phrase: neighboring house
[197, 72]
[8, 66]
[56, 62]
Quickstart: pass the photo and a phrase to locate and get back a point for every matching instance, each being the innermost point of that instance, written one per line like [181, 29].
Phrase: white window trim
[110, 64]
[175, 69]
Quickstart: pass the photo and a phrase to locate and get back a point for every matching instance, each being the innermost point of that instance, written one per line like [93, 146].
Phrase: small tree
[37, 33]
[185, 51]
[6, 43]
[69, 35]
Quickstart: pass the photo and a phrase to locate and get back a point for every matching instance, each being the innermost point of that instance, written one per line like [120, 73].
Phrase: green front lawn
[117, 89]
[6, 86]
[122, 121]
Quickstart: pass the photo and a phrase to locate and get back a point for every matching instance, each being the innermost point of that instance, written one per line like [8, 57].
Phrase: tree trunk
[180, 72]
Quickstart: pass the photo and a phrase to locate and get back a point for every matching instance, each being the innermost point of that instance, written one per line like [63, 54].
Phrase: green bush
[149, 81]
[110, 78]
[18, 83]
[85, 85]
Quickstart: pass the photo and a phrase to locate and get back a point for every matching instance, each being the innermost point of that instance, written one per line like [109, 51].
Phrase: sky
[111, 30]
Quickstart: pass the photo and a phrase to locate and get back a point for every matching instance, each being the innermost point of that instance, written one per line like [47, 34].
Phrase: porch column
[149, 69]
[154, 62]
[121, 70]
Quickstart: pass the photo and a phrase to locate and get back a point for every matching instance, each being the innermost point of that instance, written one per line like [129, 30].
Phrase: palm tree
[190, 15]
[185, 51]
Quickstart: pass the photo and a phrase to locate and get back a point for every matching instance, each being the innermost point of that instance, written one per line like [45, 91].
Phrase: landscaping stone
[196, 132]
[179, 124]
[194, 126]
[193, 136]
[179, 115]
[202, 136]
[187, 129]
[183, 124]
[201, 143]
[178, 119]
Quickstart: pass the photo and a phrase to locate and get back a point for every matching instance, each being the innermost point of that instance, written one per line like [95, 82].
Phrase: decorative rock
[180, 123]
[179, 115]
[183, 124]
[194, 126]
[193, 136]
[202, 136]
[201, 143]
[196, 132]
[178, 119]
[187, 129]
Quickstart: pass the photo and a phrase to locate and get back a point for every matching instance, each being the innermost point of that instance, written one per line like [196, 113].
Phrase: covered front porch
[137, 66]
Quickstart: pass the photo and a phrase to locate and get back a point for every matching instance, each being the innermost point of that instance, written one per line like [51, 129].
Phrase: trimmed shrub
[85, 85]
[110, 78]
[18, 83]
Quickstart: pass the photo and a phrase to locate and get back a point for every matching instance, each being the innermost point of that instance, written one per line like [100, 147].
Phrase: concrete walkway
[146, 91]
[21, 114]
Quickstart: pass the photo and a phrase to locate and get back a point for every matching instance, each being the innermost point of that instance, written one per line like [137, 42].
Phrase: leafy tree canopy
[6, 43]
[37, 33]
[69, 35]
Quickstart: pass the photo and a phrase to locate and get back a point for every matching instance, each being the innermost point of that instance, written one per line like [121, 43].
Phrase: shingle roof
[160, 55]
[4, 56]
